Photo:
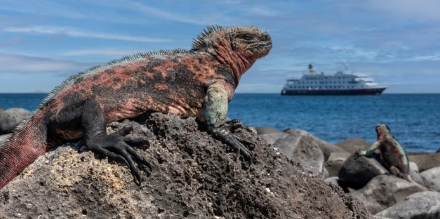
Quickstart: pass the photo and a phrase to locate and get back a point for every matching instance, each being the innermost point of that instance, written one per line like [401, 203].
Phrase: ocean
[414, 119]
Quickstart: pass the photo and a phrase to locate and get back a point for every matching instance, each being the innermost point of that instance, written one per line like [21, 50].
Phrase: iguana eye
[247, 36]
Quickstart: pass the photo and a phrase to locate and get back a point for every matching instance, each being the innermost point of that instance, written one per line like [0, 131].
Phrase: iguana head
[382, 129]
[250, 42]
[238, 47]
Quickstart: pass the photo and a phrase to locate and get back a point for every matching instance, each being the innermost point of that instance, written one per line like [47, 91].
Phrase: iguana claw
[117, 147]
[224, 134]
[359, 153]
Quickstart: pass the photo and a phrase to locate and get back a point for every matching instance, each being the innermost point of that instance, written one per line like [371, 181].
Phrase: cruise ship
[340, 83]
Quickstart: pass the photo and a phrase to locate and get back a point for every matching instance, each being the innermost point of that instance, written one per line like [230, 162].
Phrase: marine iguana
[188, 83]
[392, 153]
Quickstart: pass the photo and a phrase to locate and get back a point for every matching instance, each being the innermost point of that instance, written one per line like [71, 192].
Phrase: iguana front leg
[369, 151]
[114, 146]
[216, 109]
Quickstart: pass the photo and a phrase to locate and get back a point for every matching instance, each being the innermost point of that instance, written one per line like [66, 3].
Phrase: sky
[396, 42]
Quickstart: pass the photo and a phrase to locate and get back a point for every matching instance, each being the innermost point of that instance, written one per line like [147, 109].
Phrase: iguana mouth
[263, 45]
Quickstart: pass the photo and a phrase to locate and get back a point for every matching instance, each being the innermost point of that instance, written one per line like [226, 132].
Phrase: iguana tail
[409, 178]
[22, 148]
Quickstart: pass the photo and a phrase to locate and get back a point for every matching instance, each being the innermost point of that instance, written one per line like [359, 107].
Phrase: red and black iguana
[199, 82]
[392, 153]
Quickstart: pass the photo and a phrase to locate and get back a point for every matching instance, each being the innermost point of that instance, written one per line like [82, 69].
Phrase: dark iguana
[198, 82]
[392, 153]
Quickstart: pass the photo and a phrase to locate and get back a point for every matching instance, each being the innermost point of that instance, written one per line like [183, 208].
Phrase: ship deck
[361, 91]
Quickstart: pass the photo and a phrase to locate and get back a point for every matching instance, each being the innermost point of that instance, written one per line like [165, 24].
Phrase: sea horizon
[413, 118]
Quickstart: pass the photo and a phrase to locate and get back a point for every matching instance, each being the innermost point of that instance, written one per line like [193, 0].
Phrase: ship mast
[311, 69]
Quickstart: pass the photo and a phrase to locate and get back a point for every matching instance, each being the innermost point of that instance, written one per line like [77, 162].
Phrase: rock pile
[193, 176]
[365, 178]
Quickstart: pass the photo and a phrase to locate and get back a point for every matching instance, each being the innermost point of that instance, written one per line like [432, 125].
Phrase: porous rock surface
[193, 176]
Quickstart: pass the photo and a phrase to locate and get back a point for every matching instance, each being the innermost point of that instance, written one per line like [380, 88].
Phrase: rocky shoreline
[294, 175]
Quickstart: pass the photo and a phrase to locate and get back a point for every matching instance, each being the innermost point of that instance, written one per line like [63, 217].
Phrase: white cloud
[79, 33]
[66, 9]
[265, 12]
[106, 52]
[166, 15]
[354, 51]
[419, 10]
[10, 62]
[435, 57]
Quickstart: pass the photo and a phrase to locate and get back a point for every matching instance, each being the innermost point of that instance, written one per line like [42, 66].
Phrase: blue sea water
[414, 119]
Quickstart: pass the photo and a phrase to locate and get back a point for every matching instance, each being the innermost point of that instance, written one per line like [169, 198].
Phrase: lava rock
[267, 130]
[11, 118]
[193, 176]
[384, 191]
[431, 178]
[352, 145]
[424, 205]
[425, 161]
[335, 162]
[357, 172]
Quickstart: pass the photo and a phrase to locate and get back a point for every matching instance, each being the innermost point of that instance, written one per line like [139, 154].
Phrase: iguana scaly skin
[198, 82]
[392, 153]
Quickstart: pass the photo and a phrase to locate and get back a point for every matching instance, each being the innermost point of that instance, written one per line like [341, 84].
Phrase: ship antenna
[346, 65]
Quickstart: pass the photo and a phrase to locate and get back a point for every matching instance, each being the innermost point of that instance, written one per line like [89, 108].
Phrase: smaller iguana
[392, 153]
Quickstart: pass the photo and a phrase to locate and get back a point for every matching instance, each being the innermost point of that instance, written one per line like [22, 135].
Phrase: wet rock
[335, 162]
[357, 172]
[424, 205]
[352, 145]
[267, 130]
[303, 148]
[11, 118]
[425, 161]
[193, 176]
[431, 178]
[384, 191]
[3, 139]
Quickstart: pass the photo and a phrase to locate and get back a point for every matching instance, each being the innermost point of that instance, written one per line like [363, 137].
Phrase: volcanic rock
[193, 176]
